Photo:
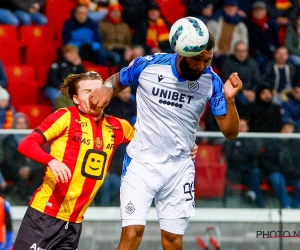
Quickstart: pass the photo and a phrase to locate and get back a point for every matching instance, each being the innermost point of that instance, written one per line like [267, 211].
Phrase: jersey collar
[174, 70]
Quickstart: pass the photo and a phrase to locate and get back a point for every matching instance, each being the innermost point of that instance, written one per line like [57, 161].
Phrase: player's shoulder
[157, 59]
[215, 79]
[115, 122]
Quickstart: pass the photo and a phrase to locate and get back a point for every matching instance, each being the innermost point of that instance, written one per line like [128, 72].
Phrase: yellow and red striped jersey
[86, 147]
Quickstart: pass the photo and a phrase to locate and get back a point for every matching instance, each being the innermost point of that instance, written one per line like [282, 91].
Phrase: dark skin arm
[100, 98]
[229, 123]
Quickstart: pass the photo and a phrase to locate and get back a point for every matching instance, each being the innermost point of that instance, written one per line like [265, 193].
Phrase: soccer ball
[188, 36]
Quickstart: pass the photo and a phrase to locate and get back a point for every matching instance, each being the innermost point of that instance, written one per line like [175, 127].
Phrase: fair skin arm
[229, 123]
[60, 171]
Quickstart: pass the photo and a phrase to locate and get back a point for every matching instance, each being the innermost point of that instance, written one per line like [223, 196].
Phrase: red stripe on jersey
[89, 183]
[118, 133]
[61, 189]
[51, 119]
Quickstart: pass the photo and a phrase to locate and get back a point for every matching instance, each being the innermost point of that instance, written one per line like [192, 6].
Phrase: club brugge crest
[193, 86]
[129, 208]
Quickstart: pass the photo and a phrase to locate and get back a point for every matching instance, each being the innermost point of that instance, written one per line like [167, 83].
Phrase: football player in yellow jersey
[82, 145]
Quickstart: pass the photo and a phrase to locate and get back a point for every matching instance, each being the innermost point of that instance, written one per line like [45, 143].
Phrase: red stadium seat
[10, 53]
[209, 154]
[103, 71]
[19, 73]
[23, 92]
[8, 33]
[210, 180]
[42, 74]
[41, 54]
[10, 46]
[35, 113]
[36, 34]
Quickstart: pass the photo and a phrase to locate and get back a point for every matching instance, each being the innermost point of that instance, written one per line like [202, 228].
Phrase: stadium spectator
[263, 32]
[290, 110]
[284, 12]
[6, 225]
[123, 107]
[200, 9]
[28, 11]
[248, 71]
[131, 53]
[134, 11]
[241, 155]
[292, 42]
[279, 162]
[3, 78]
[6, 15]
[83, 32]
[7, 111]
[153, 33]
[279, 74]
[227, 28]
[97, 9]
[26, 174]
[69, 63]
[116, 33]
[264, 115]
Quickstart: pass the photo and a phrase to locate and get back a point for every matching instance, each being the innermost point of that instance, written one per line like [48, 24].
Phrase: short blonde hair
[69, 87]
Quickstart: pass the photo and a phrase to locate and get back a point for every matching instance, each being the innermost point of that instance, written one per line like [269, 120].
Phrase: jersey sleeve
[128, 131]
[129, 76]
[217, 101]
[54, 124]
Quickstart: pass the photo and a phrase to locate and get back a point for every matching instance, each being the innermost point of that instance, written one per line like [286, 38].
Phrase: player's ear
[75, 99]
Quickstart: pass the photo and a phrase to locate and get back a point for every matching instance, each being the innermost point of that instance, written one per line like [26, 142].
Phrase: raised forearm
[229, 123]
[113, 83]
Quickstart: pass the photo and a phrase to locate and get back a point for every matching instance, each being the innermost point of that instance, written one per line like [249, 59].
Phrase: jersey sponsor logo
[83, 124]
[93, 164]
[81, 140]
[160, 77]
[112, 127]
[110, 146]
[193, 86]
[170, 96]
[130, 208]
[35, 247]
[48, 204]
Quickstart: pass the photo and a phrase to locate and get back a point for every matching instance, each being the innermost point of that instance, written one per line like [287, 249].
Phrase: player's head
[192, 67]
[78, 87]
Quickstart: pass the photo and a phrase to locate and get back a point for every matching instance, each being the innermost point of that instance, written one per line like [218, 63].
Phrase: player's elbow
[231, 135]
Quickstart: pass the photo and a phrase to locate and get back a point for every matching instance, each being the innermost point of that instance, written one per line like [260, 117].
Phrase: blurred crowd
[258, 39]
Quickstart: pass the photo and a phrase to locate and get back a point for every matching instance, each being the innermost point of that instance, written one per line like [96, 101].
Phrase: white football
[188, 36]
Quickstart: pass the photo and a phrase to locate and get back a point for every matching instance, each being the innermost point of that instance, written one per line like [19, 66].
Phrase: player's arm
[53, 126]
[127, 77]
[229, 122]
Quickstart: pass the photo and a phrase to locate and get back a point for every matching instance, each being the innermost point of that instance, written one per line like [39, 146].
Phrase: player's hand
[60, 171]
[232, 86]
[100, 98]
[194, 151]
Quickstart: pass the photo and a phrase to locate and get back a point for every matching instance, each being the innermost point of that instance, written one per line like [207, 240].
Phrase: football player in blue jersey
[172, 92]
